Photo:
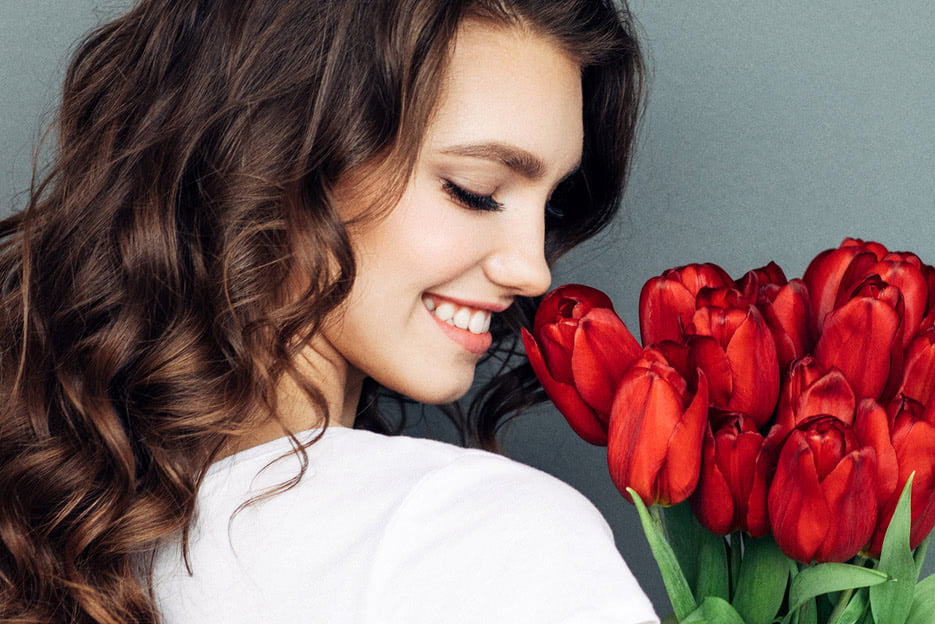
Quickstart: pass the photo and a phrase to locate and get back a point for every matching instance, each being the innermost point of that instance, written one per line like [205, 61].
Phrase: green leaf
[854, 610]
[923, 603]
[762, 582]
[736, 552]
[684, 533]
[808, 612]
[680, 595]
[712, 568]
[715, 610]
[920, 552]
[890, 602]
[830, 577]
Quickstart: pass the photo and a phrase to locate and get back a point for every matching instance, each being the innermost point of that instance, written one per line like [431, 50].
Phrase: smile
[473, 320]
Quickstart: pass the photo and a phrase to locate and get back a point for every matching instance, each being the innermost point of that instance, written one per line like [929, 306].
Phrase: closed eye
[470, 200]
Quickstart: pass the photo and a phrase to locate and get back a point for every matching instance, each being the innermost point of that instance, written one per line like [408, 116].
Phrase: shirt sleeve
[486, 540]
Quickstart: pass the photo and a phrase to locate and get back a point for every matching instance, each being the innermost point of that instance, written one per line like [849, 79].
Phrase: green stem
[655, 513]
[844, 598]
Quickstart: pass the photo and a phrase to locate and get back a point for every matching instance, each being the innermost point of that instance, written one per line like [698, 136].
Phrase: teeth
[462, 318]
[445, 311]
[478, 323]
[474, 321]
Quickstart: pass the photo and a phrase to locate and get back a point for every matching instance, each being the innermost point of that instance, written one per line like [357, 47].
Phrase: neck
[339, 384]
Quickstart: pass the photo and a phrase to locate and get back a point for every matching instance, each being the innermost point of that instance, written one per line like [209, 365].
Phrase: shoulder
[488, 539]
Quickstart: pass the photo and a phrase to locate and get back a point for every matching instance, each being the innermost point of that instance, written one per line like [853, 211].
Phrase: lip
[477, 305]
[477, 344]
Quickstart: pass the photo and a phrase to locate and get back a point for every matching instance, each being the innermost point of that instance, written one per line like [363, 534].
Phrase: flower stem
[844, 598]
[655, 513]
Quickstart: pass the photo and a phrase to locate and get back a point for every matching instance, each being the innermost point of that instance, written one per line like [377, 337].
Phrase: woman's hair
[183, 246]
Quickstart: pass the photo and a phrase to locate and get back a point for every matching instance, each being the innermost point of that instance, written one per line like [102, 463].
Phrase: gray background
[773, 131]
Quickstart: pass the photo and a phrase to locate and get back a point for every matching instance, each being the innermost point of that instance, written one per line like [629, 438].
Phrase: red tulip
[918, 380]
[809, 391]
[826, 272]
[914, 446]
[579, 349]
[736, 350]
[754, 281]
[904, 271]
[667, 302]
[826, 489]
[786, 308]
[731, 493]
[860, 338]
[929, 273]
[656, 428]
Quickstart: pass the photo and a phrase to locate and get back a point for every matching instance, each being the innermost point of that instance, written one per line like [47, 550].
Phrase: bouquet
[785, 427]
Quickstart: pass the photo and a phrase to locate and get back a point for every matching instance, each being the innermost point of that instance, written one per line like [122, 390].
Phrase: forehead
[510, 85]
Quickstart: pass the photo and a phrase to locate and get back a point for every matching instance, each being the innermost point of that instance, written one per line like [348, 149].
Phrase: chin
[440, 392]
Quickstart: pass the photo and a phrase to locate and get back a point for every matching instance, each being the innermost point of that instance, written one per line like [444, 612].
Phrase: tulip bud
[753, 282]
[731, 493]
[929, 273]
[787, 312]
[913, 438]
[824, 496]
[656, 428]
[579, 349]
[860, 338]
[825, 275]
[918, 380]
[809, 391]
[667, 302]
[736, 350]
[904, 272]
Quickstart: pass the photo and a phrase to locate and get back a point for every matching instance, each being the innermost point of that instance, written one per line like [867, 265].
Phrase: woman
[260, 214]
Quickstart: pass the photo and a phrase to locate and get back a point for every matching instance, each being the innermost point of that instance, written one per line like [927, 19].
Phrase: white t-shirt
[395, 530]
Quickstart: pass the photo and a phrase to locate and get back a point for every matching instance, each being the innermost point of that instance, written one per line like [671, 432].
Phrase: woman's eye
[474, 201]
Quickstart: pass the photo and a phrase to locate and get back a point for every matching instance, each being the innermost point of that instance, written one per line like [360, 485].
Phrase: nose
[517, 258]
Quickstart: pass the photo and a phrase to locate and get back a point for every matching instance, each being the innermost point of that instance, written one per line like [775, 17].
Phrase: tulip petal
[708, 356]
[666, 306]
[683, 453]
[755, 369]
[798, 513]
[712, 501]
[829, 395]
[915, 450]
[644, 414]
[919, 377]
[871, 424]
[850, 493]
[582, 418]
[604, 349]
[858, 340]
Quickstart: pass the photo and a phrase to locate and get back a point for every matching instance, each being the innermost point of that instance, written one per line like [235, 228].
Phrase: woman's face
[467, 235]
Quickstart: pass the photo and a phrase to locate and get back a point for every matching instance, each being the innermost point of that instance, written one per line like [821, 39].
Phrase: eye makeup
[471, 200]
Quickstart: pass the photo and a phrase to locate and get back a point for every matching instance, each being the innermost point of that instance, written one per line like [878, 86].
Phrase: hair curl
[148, 305]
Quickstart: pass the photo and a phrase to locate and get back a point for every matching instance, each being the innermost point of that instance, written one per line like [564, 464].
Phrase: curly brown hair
[148, 308]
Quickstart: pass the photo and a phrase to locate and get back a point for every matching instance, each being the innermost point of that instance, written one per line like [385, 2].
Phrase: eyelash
[473, 201]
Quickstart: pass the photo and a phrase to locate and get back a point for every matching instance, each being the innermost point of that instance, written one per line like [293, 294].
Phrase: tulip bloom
[861, 338]
[918, 380]
[736, 350]
[786, 308]
[904, 271]
[731, 493]
[828, 485]
[579, 349]
[656, 428]
[826, 272]
[914, 447]
[667, 302]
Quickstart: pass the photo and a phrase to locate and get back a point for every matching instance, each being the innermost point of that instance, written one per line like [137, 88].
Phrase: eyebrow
[516, 158]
